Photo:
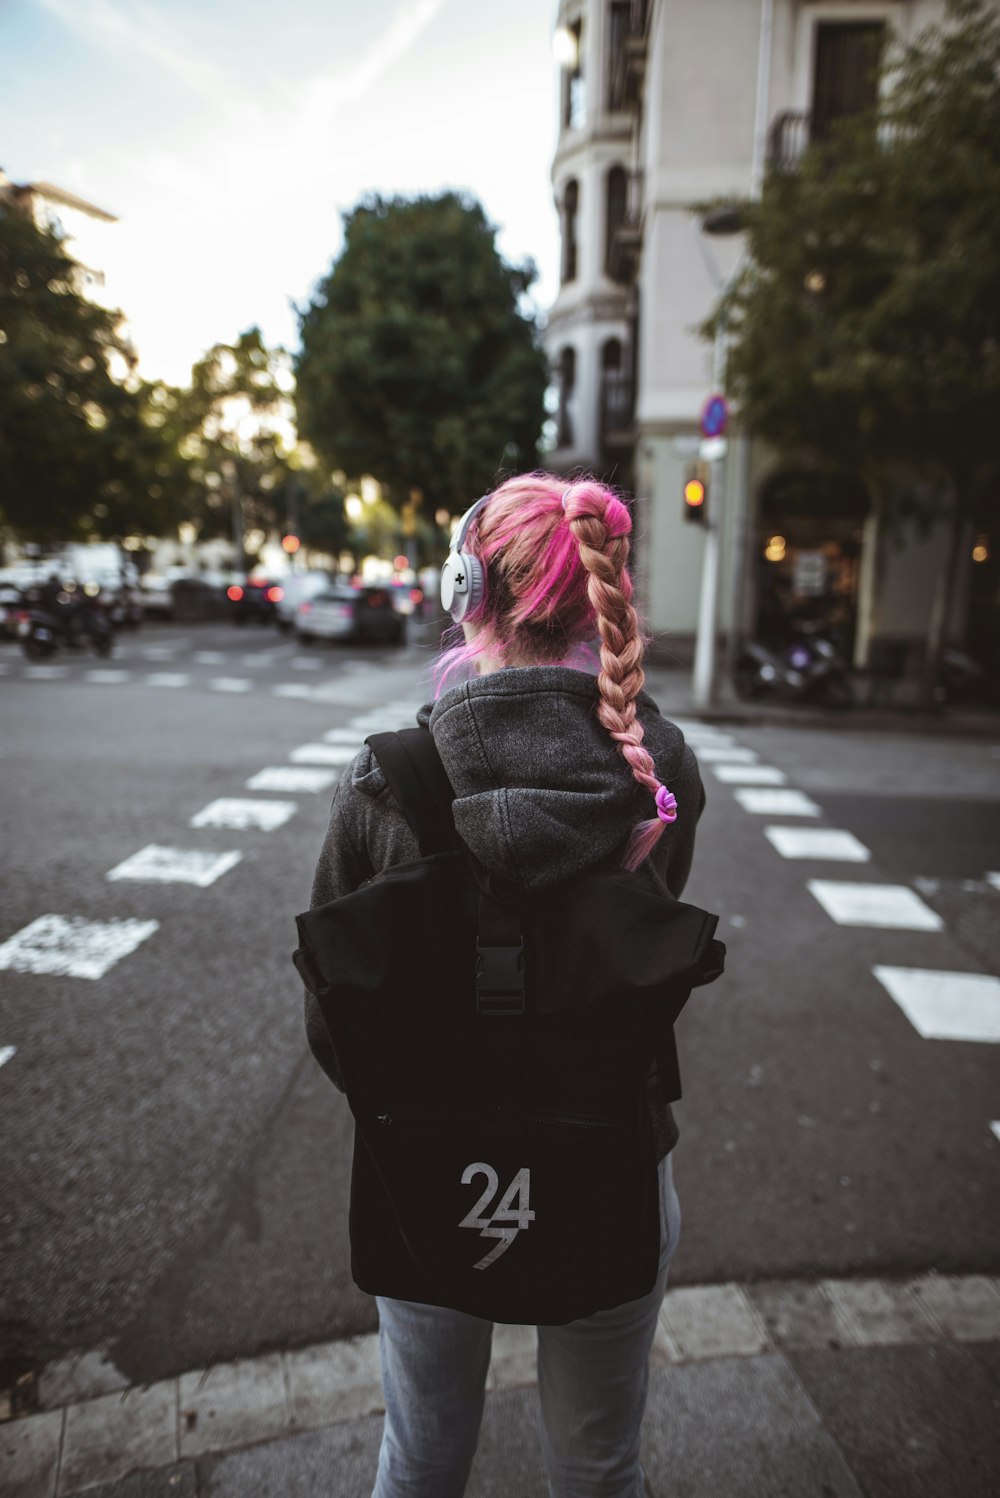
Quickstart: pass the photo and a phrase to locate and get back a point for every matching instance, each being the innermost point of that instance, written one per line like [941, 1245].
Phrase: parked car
[296, 588]
[11, 605]
[345, 613]
[256, 599]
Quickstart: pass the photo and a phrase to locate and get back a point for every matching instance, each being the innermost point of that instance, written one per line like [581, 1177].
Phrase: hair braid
[600, 523]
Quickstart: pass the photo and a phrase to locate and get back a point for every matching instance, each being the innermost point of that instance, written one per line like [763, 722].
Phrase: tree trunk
[941, 610]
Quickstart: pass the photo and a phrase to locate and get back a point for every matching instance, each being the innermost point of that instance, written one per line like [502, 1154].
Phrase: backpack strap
[410, 762]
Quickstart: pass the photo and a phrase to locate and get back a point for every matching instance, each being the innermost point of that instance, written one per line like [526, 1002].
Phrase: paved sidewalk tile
[231, 1405]
[713, 1321]
[880, 1313]
[110, 1437]
[339, 1381]
[514, 1359]
[797, 1315]
[180, 1481]
[29, 1455]
[338, 1462]
[738, 1428]
[967, 1309]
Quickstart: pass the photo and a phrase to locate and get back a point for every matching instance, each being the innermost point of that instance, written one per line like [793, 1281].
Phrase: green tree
[418, 364]
[81, 453]
[231, 427]
[865, 326]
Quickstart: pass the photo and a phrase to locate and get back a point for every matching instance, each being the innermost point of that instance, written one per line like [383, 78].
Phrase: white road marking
[295, 689]
[157, 865]
[167, 679]
[305, 663]
[209, 657]
[343, 736]
[106, 677]
[776, 803]
[240, 815]
[230, 684]
[322, 754]
[71, 946]
[749, 774]
[710, 754]
[817, 842]
[7, 1051]
[892, 906]
[44, 673]
[993, 880]
[995, 1126]
[158, 652]
[258, 658]
[945, 1006]
[292, 778]
[709, 738]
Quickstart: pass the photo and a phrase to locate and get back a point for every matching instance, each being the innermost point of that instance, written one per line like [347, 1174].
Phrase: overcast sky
[229, 135]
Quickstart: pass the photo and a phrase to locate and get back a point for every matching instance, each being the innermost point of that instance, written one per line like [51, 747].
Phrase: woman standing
[554, 769]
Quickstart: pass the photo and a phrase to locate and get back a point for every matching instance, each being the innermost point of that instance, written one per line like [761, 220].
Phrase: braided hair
[556, 565]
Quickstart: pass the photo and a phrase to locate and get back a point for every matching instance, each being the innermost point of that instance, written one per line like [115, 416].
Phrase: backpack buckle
[499, 980]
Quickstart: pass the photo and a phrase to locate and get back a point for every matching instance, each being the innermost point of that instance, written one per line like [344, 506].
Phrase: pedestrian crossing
[939, 1004]
[72, 946]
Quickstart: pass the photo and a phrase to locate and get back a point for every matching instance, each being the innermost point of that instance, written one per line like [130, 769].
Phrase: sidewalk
[671, 687]
[835, 1388]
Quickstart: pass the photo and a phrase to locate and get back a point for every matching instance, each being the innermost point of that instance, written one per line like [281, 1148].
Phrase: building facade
[665, 104]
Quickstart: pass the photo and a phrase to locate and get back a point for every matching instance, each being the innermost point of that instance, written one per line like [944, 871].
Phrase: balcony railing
[626, 236]
[617, 408]
[627, 64]
[788, 139]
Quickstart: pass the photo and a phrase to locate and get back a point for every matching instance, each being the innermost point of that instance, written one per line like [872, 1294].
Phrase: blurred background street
[177, 1166]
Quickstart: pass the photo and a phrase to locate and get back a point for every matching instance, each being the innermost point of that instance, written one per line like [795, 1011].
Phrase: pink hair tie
[666, 805]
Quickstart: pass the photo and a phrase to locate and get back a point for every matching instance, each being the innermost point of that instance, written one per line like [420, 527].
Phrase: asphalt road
[175, 1167]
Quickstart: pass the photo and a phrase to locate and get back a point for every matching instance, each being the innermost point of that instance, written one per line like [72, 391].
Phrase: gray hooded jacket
[541, 793]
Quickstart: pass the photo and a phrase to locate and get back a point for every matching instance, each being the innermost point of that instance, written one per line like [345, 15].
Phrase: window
[619, 26]
[615, 209]
[571, 203]
[845, 77]
[567, 384]
[573, 91]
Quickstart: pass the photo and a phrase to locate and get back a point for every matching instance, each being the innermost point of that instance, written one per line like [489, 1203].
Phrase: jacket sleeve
[342, 867]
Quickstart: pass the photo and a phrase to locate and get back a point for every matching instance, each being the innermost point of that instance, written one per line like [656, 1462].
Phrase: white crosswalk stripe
[7, 1052]
[817, 842]
[712, 754]
[72, 947]
[243, 814]
[230, 684]
[107, 677]
[45, 673]
[210, 658]
[944, 1005]
[322, 754]
[343, 736]
[749, 774]
[776, 803]
[157, 865]
[304, 778]
[167, 679]
[892, 906]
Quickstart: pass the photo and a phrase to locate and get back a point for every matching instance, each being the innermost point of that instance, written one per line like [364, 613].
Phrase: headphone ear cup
[462, 584]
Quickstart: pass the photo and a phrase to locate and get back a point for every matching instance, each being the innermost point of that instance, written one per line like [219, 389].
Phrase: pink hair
[555, 556]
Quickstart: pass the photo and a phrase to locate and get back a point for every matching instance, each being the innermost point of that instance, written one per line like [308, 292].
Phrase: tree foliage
[417, 364]
[80, 451]
[865, 325]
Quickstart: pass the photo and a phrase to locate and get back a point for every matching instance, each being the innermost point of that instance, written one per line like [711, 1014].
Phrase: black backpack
[495, 1052]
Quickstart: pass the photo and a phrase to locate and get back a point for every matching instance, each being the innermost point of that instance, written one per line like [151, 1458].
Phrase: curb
[111, 1429]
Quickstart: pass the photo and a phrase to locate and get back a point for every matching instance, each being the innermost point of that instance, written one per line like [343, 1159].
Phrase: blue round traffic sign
[714, 415]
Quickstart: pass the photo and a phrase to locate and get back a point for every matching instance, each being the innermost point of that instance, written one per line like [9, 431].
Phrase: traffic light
[696, 493]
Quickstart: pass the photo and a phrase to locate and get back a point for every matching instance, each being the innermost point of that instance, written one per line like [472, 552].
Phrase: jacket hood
[541, 791]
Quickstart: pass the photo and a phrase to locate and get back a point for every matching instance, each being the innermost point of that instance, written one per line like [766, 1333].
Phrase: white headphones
[463, 576]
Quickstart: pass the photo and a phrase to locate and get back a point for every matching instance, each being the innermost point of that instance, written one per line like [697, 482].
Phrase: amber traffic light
[696, 494]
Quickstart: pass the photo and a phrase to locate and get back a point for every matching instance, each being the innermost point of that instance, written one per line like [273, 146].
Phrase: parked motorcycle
[808, 670]
[43, 631]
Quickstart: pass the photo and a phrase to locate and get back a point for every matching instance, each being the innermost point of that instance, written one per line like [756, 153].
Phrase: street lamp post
[703, 680]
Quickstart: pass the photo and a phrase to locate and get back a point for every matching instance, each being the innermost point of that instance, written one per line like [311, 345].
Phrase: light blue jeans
[592, 1379]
